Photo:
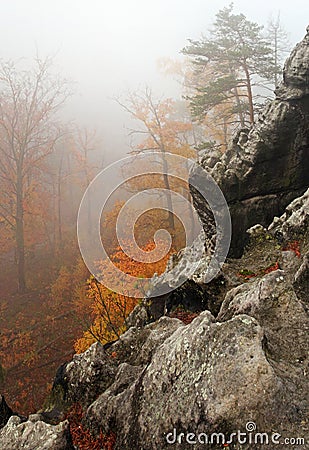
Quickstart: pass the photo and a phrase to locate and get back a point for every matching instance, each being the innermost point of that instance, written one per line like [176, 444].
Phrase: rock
[296, 72]
[301, 281]
[88, 374]
[139, 317]
[189, 366]
[195, 294]
[206, 377]
[81, 380]
[209, 157]
[274, 304]
[271, 167]
[136, 346]
[120, 397]
[35, 434]
[294, 223]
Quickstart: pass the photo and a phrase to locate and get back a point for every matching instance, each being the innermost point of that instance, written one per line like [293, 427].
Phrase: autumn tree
[29, 101]
[239, 58]
[161, 131]
[111, 309]
[144, 229]
[218, 124]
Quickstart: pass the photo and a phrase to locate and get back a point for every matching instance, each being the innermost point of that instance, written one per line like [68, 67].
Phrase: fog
[108, 47]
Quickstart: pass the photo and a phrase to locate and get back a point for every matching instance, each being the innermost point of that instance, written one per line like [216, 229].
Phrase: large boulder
[35, 434]
[246, 368]
[81, 380]
[210, 377]
[197, 380]
[261, 174]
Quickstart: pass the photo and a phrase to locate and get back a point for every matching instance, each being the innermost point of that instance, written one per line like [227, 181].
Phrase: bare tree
[280, 43]
[86, 141]
[29, 101]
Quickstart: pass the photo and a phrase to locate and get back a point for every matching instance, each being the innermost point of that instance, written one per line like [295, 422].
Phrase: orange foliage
[109, 308]
[272, 268]
[293, 247]
[144, 228]
[81, 436]
[185, 316]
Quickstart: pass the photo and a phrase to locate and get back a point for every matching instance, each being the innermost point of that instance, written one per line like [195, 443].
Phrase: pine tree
[239, 58]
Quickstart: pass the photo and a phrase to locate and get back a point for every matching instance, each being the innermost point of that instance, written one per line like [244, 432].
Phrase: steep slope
[212, 376]
[238, 373]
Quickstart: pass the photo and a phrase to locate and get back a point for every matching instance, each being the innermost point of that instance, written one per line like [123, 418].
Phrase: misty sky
[107, 46]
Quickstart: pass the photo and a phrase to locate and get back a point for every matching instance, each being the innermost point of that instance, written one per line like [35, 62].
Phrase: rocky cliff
[241, 366]
[267, 166]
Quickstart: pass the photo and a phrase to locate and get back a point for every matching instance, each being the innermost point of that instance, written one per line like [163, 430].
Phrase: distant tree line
[43, 162]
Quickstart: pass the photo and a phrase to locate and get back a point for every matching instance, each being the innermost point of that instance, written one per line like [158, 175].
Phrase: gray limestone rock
[301, 281]
[294, 222]
[35, 435]
[88, 374]
[206, 377]
[296, 72]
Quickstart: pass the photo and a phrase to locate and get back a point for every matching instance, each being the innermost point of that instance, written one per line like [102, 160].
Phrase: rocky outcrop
[294, 223]
[246, 368]
[194, 295]
[80, 381]
[261, 174]
[188, 386]
[35, 434]
[295, 74]
[241, 366]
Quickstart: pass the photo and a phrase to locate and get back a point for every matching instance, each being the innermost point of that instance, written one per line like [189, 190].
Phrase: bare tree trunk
[89, 215]
[239, 108]
[59, 210]
[54, 220]
[238, 101]
[276, 57]
[171, 221]
[250, 96]
[20, 240]
[89, 205]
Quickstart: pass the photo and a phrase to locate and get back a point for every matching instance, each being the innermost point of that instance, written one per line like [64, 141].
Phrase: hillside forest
[50, 305]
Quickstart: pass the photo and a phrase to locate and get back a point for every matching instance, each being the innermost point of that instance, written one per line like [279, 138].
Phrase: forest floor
[37, 335]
